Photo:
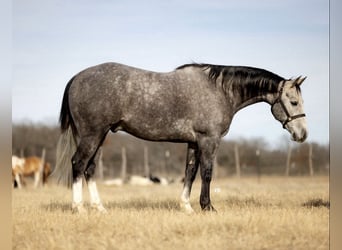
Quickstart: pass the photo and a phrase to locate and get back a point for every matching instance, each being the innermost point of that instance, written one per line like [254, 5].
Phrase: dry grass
[277, 213]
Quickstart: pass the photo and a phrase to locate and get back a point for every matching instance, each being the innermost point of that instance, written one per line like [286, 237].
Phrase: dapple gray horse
[193, 104]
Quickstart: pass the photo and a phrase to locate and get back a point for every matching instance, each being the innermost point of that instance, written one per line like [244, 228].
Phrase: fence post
[146, 165]
[123, 164]
[41, 167]
[310, 160]
[22, 153]
[288, 161]
[237, 161]
[166, 162]
[257, 153]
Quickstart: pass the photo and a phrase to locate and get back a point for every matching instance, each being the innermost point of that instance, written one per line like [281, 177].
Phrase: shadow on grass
[173, 205]
[57, 206]
[131, 204]
[142, 204]
[248, 202]
[316, 203]
[259, 203]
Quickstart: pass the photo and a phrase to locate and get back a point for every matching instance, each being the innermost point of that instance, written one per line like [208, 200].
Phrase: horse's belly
[32, 165]
[179, 130]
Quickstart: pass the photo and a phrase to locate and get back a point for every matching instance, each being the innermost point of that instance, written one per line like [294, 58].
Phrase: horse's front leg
[17, 179]
[192, 162]
[207, 147]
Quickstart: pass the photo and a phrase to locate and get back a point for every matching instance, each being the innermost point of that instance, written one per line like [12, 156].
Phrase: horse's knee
[90, 171]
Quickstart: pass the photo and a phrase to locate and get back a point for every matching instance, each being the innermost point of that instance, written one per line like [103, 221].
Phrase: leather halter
[289, 117]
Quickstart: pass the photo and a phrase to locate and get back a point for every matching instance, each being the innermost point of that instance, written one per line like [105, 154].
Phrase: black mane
[247, 81]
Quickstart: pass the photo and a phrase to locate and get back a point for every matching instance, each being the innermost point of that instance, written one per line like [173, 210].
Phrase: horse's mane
[247, 81]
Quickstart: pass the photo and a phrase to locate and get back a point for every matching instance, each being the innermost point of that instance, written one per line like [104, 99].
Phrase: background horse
[193, 104]
[27, 167]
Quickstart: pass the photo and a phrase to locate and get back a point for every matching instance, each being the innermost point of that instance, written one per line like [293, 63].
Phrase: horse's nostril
[299, 137]
[304, 135]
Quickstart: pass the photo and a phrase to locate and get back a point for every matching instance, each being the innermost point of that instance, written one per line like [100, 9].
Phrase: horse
[27, 167]
[193, 104]
[17, 164]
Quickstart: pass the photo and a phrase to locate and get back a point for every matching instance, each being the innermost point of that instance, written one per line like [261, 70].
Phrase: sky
[53, 40]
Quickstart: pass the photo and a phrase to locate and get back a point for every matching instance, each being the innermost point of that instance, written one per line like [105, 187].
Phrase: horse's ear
[298, 81]
[301, 80]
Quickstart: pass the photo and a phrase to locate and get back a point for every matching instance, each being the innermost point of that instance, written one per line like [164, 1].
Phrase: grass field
[277, 213]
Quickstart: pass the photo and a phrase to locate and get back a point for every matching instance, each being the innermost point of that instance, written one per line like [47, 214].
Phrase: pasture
[277, 213]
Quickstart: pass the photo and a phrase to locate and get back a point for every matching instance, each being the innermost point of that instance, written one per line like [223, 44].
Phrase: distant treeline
[169, 158]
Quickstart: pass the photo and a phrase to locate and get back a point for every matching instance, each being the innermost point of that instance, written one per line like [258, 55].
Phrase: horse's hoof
[209, 208]
[186, 207]
[78, 209]
[99, 208]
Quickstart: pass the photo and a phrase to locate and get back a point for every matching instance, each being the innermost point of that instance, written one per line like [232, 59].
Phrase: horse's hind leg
[95, 201]
[192, 162]
[85, 152]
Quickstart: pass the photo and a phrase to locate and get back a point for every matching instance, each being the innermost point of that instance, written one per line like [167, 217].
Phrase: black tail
[65, 117]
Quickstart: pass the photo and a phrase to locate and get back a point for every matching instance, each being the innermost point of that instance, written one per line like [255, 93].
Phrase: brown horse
[22, 167]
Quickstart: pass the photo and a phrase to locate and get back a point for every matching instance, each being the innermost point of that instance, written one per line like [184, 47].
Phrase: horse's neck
[241, 102]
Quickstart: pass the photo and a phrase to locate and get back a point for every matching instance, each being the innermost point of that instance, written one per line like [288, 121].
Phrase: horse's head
[17, 162]
[288, 109]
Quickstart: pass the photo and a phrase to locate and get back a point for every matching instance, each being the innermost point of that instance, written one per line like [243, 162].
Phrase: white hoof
[99, 208]
[186, 207]
[78, 208]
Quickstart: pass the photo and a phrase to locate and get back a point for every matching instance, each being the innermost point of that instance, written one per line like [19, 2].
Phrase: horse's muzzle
[299, 136]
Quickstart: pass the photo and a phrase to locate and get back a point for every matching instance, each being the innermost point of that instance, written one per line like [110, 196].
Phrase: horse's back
[32, 164]
[112, 92]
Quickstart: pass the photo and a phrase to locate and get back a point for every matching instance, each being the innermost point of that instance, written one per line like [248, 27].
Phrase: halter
[289, 117]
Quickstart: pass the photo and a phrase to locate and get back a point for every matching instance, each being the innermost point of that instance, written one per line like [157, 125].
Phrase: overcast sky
[53, 40]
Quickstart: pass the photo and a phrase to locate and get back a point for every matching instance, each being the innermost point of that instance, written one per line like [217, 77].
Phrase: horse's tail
[66, 146]
[65, 117]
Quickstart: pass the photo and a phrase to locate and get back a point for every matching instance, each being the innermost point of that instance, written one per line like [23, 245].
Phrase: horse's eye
[294, 103]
